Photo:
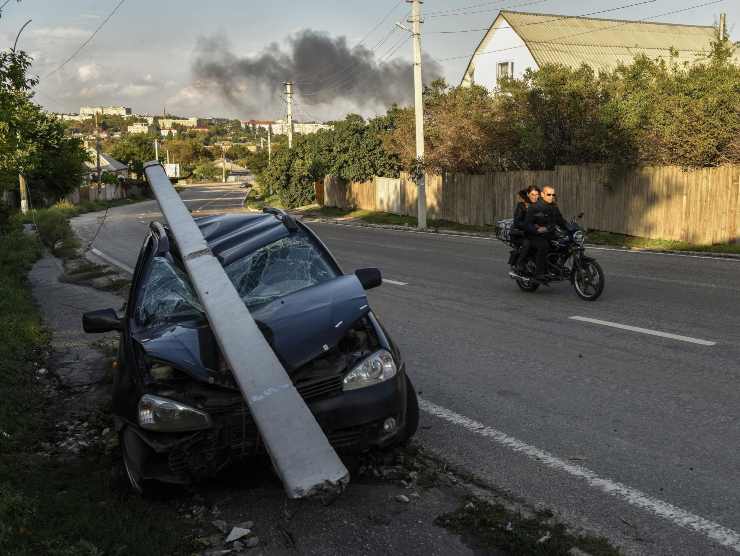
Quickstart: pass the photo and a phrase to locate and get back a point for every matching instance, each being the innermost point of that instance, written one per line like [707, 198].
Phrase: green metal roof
[600, 43]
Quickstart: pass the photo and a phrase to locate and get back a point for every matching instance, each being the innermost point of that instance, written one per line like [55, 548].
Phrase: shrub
[54, 230]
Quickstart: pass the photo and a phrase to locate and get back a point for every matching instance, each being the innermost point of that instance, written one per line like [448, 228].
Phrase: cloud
[88, 72]
[59, 33]
[98, 90]
[138, 89]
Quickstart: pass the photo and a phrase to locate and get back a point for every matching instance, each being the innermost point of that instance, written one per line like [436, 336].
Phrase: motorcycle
[566, 260]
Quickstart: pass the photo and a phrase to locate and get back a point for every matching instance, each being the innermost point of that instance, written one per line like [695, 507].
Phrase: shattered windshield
[168, 295]
[281, 268]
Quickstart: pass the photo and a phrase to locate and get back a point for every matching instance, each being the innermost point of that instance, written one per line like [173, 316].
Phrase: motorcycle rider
[540, 222]
[526, 199]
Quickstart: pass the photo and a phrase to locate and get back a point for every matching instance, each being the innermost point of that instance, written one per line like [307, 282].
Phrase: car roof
[231, 236]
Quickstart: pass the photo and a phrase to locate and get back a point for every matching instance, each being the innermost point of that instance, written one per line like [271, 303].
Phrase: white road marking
[491, 238]
[646, 331]
[714, 531]
[395, 282]
[111, 260]
[212, 199]
[646, 252]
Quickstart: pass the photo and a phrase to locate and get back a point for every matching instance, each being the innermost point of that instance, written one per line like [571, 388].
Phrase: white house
[139, 128]
[108, 164]
[105, 110]
[517, 41]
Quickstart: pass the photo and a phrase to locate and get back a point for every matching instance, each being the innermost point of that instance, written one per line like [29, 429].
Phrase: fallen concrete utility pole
[299, 449]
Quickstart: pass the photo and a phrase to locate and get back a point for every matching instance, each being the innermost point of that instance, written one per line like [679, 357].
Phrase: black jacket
[520, 215]
[543, 214]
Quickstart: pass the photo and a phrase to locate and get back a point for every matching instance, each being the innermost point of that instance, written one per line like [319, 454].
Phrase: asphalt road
[630, 434]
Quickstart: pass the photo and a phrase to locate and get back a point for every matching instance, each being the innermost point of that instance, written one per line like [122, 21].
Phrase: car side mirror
[104, 320]
[369, 277]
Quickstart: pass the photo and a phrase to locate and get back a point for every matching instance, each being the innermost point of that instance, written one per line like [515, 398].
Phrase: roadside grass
[257, 200]
[494, 528]
[620, 240]
[48, 505]
[387, 218]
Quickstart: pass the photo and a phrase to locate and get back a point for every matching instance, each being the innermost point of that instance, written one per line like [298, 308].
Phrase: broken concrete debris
[236, 534]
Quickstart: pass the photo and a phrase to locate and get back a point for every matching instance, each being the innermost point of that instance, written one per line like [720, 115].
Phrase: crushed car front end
[179, 411]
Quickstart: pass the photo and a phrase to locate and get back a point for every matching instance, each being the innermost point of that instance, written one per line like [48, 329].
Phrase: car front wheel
[411, 422]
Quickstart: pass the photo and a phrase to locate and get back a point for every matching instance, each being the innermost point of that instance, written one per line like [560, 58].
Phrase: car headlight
[372, 370]
[165, 415]
[579, 237]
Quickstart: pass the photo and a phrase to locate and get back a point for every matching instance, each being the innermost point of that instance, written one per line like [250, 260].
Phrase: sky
[229, 57]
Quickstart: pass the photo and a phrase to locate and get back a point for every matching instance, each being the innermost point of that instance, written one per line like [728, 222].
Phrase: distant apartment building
[105, 110]
[280, 127]
[184, 122]
[259, 124]
[139, 128]
[167, 132]
[73, 117]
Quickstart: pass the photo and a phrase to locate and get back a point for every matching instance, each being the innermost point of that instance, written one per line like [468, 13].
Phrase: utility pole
[22, 187]
[289, 98]
[722, 26]
[419, 111]
[223, 164]
[97, 150]
[269, 143]
[24, 193]
[156, 149]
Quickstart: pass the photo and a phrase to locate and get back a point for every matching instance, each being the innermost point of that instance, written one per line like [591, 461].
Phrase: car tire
[411, 421]
[140, 486]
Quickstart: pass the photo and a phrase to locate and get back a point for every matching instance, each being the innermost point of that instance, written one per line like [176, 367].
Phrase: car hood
[300, 327]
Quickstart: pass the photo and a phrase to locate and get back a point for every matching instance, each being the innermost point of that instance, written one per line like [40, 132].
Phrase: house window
[504, 70]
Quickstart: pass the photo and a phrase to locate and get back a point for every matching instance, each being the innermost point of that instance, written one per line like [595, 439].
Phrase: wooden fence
[665, 202]
[104, 192]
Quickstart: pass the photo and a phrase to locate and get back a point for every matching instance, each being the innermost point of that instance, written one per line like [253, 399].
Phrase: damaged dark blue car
[177, 407]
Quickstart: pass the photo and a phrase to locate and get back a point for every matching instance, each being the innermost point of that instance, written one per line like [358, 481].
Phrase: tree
[134, 150]
[32, 142]
[187, 151]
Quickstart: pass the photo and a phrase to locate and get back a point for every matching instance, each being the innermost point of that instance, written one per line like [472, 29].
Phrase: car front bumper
[352, 421]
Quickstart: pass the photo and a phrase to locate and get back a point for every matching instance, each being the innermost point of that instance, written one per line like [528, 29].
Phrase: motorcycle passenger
[539, 224]
[527, 198]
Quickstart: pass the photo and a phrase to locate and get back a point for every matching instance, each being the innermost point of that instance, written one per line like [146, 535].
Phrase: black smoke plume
[329, 77]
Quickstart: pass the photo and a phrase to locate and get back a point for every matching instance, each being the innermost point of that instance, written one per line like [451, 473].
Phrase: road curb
[445, 232]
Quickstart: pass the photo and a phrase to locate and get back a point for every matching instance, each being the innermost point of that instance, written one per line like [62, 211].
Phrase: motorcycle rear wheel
[527, 285]
[588, 280]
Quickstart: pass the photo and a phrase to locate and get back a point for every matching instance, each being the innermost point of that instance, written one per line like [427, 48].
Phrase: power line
[3, 6]
[352, 75]
[90, 38]
[456, 13]
[362, 41]
[549, 20]
[554, 40]
[346, 72]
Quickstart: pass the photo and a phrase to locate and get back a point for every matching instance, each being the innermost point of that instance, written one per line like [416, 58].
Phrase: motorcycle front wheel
[588, 280]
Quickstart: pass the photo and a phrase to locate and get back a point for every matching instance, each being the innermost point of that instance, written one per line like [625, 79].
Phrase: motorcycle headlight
[579, 237]
[165, 415]
[372, 370]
